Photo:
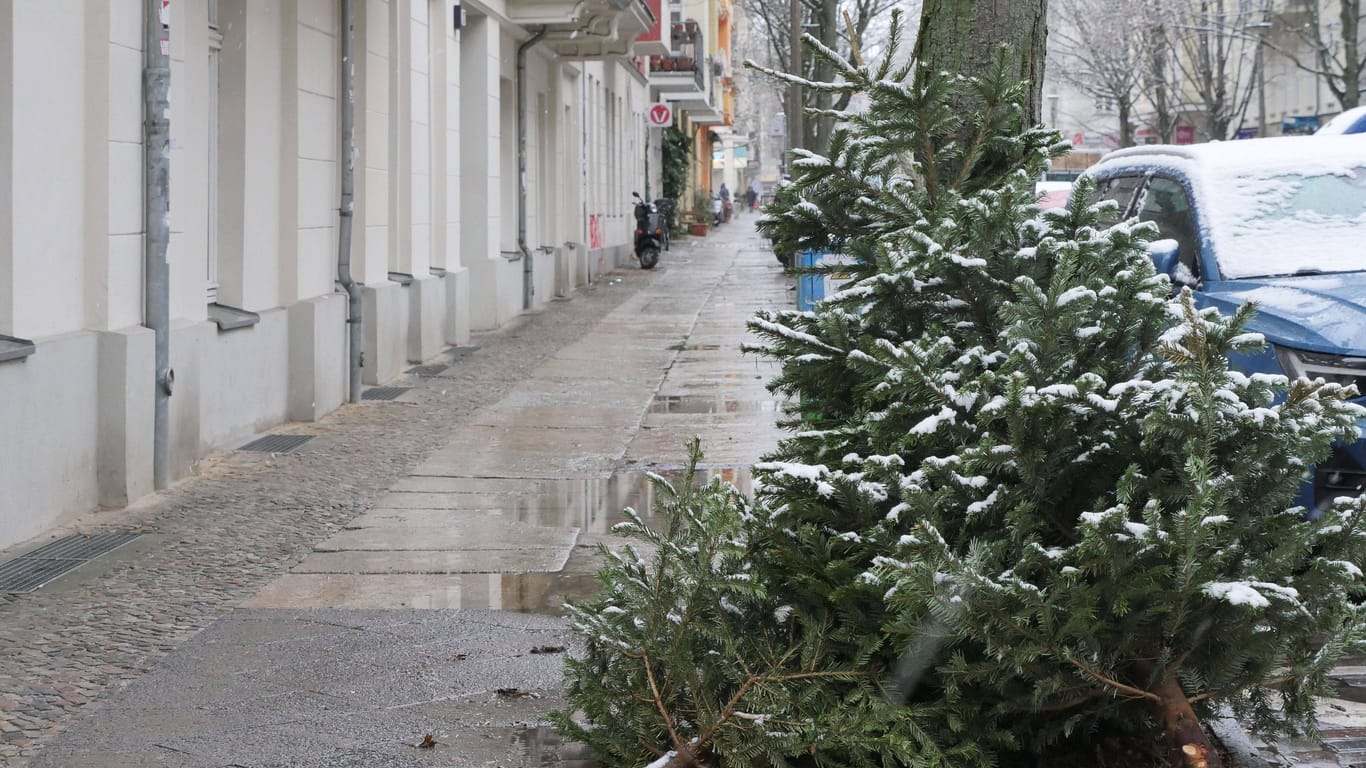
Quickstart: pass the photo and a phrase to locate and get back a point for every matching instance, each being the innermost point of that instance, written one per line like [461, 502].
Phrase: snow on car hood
[1320, 314]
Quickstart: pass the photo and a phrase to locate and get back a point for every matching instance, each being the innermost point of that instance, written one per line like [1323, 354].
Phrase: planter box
[698, 228]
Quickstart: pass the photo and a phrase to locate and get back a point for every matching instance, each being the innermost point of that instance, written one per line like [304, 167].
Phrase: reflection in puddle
[713, 404]
[594, 506]
[591, 505]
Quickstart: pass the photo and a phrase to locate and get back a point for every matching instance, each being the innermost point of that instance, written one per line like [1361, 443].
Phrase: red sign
[660, 115]
[1185, 134]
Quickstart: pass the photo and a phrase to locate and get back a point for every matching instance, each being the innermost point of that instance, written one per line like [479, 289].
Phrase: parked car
[1351, 121]
[1281, 222]
[1053, 194]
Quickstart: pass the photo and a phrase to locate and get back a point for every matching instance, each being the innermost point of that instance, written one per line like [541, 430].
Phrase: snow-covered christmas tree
[1025, 509]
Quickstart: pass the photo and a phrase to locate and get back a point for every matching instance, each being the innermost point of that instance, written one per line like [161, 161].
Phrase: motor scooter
[716, 210]
[649, 232]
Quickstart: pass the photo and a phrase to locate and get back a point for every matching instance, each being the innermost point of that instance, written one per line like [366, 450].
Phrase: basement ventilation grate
[32, 570]
[383, 393]
[428, 370]
[276, 443]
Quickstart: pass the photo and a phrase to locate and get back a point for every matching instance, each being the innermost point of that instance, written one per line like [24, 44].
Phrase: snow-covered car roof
[1314, 154]
[1351, 121]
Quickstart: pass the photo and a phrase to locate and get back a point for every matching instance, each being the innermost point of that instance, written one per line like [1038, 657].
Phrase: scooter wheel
[649, 258]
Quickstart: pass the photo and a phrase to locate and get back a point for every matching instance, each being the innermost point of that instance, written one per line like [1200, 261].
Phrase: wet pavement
[437, 607]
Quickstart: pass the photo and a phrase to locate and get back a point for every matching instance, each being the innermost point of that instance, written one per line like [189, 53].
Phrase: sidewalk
[308, 601]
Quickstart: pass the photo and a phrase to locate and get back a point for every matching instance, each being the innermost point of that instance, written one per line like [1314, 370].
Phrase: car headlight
[1334, 369]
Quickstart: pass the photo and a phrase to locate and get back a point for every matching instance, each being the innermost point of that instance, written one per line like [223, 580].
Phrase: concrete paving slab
[362, 704]
[459, 536]
[533, 438]
[598, 520]
[523, 560]
[511, 464]
[524, 591]
[492, 487]
[624, 417]
[473, 502]
[600, 369]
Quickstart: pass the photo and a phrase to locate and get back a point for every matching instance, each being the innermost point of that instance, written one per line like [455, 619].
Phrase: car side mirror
[1166, 256]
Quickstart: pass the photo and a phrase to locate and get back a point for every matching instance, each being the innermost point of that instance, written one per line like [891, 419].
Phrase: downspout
[528, 286]
[156, 127]
[348, 196]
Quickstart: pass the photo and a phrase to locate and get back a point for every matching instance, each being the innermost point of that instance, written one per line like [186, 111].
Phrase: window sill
[12, 348]
[231, 318]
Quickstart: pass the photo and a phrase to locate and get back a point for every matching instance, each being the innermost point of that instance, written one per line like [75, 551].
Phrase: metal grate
[383, 393]
[32, 570]
[428, 370]
[276, 443]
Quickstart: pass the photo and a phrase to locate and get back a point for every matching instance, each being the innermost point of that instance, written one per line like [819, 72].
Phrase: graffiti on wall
[595, 231]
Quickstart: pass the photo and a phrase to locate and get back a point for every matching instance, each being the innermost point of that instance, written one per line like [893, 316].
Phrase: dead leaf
[516, 693]
[548, 649]
[428, 742]
[457, 657]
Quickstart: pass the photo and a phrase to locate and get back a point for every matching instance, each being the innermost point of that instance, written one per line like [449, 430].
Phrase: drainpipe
[156, 134]
[528, 286]
[348, 197]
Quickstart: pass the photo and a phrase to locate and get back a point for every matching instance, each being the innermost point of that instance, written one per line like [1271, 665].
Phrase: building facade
[453, 221]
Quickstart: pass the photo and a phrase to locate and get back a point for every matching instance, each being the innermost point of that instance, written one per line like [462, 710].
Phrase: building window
[212, 148]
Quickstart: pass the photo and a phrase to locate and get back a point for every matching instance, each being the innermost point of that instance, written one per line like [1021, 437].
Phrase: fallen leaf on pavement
[548, 649]
[516, 693]
[428, 742]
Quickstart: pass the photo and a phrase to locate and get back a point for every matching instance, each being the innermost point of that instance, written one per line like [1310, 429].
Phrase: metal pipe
[348, 196]
[528, 284]
[156, 134]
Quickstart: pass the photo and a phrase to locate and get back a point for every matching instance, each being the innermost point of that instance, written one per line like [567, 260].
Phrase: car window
[1166, 204]
[1288, 221]
[1121, 190]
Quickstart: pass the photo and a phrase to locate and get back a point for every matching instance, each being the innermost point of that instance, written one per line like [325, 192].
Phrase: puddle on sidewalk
[593, 505]
[541, 746]
[425, 579]
[700, 404]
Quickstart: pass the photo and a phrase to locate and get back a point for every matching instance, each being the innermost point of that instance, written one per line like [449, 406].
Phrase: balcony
[677, 75]
[703, 106]
[585, 29]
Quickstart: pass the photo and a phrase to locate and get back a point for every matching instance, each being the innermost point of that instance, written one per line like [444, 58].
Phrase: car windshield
[1285, 223]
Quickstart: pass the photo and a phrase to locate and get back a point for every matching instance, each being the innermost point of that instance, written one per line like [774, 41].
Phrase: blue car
[1281, 222]
[1350, 121]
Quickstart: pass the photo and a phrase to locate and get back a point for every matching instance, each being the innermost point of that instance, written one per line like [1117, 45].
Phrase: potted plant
[701, 212]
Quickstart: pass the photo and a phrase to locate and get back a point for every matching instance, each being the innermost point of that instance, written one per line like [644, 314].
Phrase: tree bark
[962, 37]
[1350, 17]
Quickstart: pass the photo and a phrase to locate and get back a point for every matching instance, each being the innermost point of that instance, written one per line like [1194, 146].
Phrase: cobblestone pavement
[220, 536]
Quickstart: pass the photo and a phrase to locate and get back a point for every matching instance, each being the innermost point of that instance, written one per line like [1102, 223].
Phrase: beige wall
[434, 191]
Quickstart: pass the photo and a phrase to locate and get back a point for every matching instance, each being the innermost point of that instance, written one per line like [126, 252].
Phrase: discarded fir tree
[1025, 508]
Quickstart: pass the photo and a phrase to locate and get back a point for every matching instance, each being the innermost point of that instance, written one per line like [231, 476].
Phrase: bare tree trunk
[963, 37]
[1351, 54]
[1126, 128]
[1161, 98]
[818, 129]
